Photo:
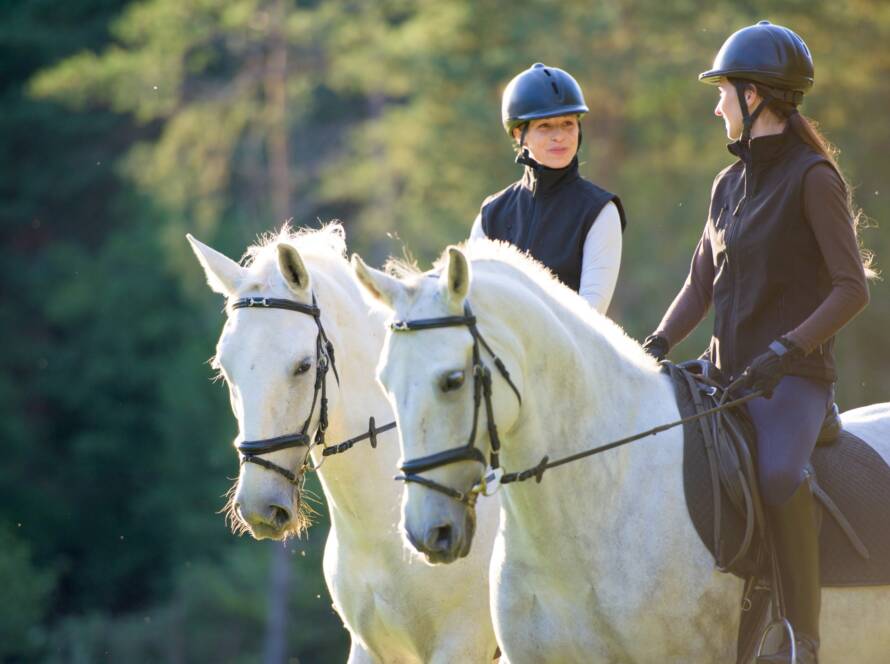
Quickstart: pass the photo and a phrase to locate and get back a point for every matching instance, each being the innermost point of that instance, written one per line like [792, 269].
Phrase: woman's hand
[768, 369]
[657, 346]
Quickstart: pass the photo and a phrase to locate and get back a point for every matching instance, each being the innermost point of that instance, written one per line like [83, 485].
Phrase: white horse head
[269, 360]
[432, 377]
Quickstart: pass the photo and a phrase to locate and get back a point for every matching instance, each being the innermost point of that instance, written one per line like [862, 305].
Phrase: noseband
[412, 468]
[324, 360]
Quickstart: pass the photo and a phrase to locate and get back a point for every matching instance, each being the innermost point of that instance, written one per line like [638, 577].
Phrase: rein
[537, 471]
[324, 361]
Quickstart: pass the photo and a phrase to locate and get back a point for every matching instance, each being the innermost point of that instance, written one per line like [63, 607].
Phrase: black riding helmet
[771, 55]
[540, 92]
[536, 93]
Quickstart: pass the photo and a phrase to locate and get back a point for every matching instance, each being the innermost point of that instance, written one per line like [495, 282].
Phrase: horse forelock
[323, 248]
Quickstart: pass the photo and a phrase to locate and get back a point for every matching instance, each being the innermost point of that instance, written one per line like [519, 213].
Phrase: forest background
[125, 125]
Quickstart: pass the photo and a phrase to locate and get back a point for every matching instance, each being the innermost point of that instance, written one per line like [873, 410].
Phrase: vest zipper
[730, 263]
[531, 221]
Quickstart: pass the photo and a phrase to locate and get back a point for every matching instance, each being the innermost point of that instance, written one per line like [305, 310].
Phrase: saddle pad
[858, 480]
[698, 490]
[853, 475]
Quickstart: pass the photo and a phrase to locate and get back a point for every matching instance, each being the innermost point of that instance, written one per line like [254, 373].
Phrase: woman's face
[552, 142]
[728, 108]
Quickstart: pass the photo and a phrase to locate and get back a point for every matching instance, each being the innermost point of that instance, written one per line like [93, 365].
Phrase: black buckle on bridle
[482, 392]
[324, 360]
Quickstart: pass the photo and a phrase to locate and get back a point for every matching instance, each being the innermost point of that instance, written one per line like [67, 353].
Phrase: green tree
[26, 595]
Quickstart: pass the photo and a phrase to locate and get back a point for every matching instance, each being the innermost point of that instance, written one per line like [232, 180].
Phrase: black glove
[768, 369]
[657, 346]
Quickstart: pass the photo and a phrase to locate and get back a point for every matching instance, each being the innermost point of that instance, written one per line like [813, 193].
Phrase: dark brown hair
[807, 130]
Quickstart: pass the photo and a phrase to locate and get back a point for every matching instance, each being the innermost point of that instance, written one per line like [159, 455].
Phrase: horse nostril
[442, 535]
[280, 516]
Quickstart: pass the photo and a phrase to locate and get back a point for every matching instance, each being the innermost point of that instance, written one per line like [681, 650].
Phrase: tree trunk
[276, 110]
[275, 642]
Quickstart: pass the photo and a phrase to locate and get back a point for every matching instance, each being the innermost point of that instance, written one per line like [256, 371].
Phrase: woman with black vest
[780, 261]
[562, 220]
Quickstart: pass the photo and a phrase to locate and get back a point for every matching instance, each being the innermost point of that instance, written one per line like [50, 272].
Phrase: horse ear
[379, 285]
[223, 274]
[292, 268]
[455, 278]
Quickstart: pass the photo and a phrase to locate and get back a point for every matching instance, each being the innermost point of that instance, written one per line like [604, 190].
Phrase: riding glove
[766, 370]
[657, 346]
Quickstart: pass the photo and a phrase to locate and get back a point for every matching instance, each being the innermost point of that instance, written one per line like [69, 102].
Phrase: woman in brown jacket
[780, 261]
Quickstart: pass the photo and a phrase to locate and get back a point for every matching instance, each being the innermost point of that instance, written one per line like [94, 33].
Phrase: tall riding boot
[796, 539]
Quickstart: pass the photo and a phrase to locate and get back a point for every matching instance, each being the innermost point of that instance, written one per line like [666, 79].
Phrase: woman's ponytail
[807, 130]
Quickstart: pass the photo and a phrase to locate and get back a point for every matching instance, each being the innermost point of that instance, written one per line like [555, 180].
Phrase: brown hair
[807, 130]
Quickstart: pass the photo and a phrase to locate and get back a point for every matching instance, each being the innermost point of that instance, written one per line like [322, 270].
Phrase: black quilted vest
[548, 214]
[769, 273]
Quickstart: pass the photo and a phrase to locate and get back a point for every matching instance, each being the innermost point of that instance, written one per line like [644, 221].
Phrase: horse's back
[871, 424]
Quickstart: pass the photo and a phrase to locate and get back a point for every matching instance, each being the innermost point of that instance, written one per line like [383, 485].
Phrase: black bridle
[324, 361]
[412, 468]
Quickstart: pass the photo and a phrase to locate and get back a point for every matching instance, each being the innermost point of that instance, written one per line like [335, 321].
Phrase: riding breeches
[787, 427]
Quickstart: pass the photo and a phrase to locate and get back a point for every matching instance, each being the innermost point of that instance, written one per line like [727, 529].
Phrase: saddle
[850, 481]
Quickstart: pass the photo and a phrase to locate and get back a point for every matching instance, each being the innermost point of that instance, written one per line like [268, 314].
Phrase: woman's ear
[751, 97]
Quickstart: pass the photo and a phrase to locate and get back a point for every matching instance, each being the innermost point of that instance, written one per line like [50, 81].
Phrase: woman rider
[780, 261]
[563, 220]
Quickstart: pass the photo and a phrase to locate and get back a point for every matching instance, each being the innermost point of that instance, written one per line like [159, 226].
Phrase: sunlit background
[124, 125]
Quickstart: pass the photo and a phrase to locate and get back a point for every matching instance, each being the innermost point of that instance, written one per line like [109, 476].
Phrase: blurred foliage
[26, 594]
[215, 613]
[126, 124]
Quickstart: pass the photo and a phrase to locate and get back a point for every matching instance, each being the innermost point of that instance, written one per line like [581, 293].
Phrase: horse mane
[500, 255]
[325, 246]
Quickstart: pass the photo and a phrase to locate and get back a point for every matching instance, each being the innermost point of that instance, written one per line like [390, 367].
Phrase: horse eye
[452, 381]
[303, 367]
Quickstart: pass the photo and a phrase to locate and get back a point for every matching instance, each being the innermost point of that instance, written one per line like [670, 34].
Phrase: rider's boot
[795, 536]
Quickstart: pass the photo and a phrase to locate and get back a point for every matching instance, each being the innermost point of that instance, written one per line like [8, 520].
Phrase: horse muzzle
[444, 542]
[266, 518]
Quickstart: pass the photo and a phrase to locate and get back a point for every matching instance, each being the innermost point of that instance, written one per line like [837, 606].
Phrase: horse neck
[582, 387]
[355, 482]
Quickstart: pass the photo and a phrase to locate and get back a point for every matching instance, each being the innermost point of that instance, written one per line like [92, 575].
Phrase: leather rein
[324, 361]
[495, 477]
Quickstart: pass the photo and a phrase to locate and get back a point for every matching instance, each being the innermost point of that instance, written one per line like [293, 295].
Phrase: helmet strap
[748, 119]
[524, 158]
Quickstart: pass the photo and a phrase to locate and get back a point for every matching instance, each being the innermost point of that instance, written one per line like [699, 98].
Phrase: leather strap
[277, 303]
[438, 459]
[482, 392]
[274, 444]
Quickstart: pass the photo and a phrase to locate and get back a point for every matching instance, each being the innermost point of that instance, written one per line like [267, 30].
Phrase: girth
[412, 468]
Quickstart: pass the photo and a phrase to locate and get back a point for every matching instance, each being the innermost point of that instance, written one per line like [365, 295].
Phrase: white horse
[600, 561]
[395, 606]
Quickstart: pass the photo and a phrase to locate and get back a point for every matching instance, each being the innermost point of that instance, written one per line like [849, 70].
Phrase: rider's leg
[787, 428]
